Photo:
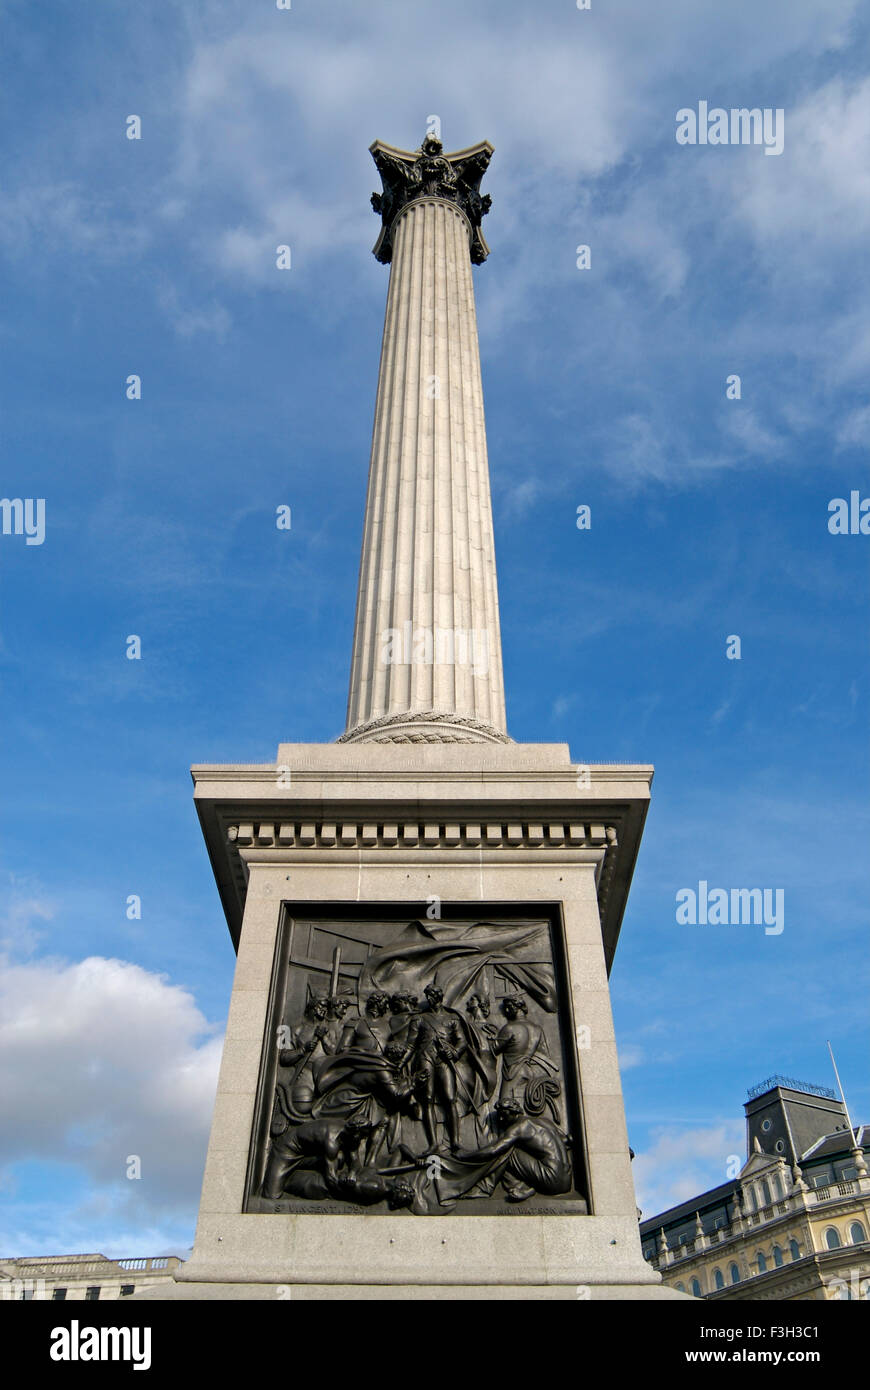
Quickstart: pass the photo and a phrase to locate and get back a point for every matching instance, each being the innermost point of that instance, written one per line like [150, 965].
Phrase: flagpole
[842, 1092]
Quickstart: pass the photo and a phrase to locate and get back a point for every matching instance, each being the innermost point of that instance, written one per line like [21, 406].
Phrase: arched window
[681, 1288]
[735, 1274]
[832, 1238]
[762, 1263]
[696, 1288]
[777, 1256]
[794, 1249]
[856, 1233]
[765, 1192]
[717, 1276]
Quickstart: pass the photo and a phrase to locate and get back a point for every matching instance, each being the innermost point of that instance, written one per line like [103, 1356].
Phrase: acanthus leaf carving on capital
[430, 173]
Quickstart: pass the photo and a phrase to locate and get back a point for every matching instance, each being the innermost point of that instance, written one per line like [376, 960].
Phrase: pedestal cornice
[327, 803]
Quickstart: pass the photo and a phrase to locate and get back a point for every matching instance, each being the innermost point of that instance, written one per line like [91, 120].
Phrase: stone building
[82, 1278]
[793, 1224]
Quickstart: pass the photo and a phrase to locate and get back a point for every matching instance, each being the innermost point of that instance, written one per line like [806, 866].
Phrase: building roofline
[777, 1082]
[713, 1197]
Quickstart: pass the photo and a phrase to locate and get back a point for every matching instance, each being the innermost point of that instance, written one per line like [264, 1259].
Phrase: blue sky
[604, 387]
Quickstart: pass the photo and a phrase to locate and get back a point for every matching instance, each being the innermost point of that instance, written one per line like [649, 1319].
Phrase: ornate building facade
[793, 1224]
[82, 1278]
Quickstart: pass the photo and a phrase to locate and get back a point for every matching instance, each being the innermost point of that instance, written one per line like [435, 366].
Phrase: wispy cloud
[682, 1162]
[189, 319]
[20, 932]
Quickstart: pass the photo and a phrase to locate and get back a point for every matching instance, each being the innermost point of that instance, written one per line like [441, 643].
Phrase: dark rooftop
[841, 1141]
[716, 1197]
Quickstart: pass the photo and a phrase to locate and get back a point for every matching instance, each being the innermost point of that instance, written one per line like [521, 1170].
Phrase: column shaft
[427, 647]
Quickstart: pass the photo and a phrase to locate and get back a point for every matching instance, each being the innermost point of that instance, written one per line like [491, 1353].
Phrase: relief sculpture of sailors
[310, 1041]
[410, 1096]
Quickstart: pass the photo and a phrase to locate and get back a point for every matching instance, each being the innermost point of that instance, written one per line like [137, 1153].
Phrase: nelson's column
[420, 1043]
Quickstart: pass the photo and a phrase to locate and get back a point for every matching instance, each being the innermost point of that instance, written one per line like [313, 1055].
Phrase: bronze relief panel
[418, 1065]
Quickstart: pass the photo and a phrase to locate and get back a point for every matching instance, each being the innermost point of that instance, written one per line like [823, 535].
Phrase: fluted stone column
[427, 649]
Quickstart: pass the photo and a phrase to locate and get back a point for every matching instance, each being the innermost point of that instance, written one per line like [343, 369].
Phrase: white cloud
[683, 1162]
[722, 710]
[518, 498]
[59, 219]
[99, 1060]
[271, 117]
[19, 934]
[855, 429]
[743, 424]
[631, 1055]
[815, 195]
[188, 319]
[650, 235]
